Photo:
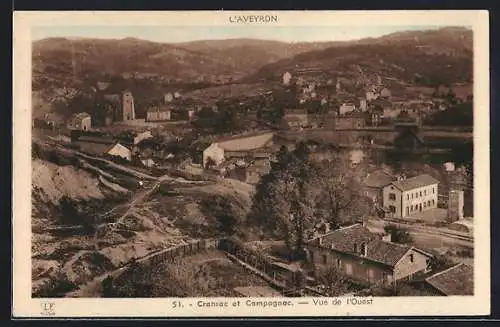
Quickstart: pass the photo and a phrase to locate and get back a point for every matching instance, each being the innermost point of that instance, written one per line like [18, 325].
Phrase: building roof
[96, 139]
[343, 239]
[378, 179]
[160, 108]
[81, 115]
[386, 252]
[102, 85]
[346, 239]
[457, 280]
[415, 182]
[95, 148]
[240, 136]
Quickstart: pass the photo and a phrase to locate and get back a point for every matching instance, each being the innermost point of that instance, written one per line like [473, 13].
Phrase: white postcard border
[25, 306]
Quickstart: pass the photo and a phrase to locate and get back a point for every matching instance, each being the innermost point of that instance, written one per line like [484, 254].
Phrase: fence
[290, 282]
[169, 255]
[284, 279]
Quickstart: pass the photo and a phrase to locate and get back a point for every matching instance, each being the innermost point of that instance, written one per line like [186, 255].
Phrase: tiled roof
[415, 182]
[457, 280]
[379, 251]
[343, 239]
[386, 252]
[95, 148]
[378, 178]
[240, 136]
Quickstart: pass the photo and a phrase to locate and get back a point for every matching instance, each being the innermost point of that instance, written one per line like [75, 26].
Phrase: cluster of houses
[375, 105]
[171, 107]
[246, 157]
[126, 146]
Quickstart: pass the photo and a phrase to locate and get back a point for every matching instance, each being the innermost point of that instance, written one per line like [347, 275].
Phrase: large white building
[215, 154]
[411, 196]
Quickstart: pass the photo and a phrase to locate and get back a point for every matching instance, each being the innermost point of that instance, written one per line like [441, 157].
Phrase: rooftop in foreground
[457, 280]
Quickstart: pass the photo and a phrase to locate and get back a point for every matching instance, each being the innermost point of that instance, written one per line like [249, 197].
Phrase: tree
[299, 194]
[334, 282]
[340, 198]
[107, 287]
[284, 201]
[398, 235]
[223, 212]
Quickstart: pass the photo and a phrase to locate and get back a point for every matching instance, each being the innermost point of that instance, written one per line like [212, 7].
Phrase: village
[417, 232]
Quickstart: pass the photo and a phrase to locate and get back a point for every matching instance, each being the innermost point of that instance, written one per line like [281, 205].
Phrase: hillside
[427, 58]
[81, 232]
[64, 67]
[59, 60]
[252, 54]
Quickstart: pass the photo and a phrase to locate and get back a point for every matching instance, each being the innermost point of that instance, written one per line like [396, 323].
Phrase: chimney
[455, 205]
[387, 237]
[401, 177]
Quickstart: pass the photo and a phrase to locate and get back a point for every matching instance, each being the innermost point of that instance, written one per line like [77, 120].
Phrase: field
[207, 274]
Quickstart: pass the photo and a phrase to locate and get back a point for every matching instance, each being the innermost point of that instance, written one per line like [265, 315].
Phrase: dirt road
[428, 237]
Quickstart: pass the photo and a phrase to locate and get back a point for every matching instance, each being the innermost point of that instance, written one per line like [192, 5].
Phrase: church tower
[128, 106]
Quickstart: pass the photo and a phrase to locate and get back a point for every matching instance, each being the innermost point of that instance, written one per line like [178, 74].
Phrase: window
[363, 249]
[433, 202]
[433, 190]
[425, 204]
[348, 269]
[425, 192]
[416, 195]
[355, 248]
[339, 262]
[325, 259]
[411, 207]
[392, 209]
[392, 196]
[411, 258]
[407, 196]
[412, 195]
[407, 210]
[429, 203]
[420, 193]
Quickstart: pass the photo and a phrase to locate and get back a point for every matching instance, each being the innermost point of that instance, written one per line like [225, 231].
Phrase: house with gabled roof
[365, 257]
[102, 145]
[410, 196]
[374, 184]
[247, 143]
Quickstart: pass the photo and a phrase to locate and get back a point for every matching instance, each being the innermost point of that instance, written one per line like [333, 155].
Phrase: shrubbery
[398, 235]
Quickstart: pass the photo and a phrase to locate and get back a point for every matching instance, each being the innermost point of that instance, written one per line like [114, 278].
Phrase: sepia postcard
[251, 164]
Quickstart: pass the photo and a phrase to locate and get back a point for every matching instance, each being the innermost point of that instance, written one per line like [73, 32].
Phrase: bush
[440, 262]
[398, 235]
[57, 286]
[334, 282]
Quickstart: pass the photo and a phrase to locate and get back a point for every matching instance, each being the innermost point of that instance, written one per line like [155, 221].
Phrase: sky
[172, 34]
